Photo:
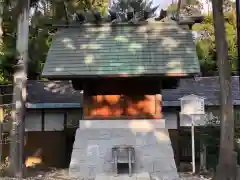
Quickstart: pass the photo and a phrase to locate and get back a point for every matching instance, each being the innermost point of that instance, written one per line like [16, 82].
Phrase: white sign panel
[192, 104]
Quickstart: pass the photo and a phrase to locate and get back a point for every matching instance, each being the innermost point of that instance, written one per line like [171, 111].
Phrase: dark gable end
[156, 48]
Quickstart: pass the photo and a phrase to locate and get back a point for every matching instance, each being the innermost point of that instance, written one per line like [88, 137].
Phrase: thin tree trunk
[179, 9]
[237, 13]
[226, 165]
[19, 97]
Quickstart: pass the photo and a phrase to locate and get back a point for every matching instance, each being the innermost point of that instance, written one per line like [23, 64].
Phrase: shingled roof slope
[155, 48]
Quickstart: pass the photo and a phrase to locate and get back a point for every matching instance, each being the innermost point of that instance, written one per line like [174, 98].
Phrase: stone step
[135, 176]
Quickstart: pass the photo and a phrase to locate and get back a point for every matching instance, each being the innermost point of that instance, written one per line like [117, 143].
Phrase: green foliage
[206, 47]
[172, 9]
[210, 137]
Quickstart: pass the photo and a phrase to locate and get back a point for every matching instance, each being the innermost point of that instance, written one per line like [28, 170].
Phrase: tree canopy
[205, 42]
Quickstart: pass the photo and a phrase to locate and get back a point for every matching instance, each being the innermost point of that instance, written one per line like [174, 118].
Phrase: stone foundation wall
[94, 139]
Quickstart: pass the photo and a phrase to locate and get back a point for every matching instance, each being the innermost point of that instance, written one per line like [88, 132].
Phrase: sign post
[193, 146]
[192, 106]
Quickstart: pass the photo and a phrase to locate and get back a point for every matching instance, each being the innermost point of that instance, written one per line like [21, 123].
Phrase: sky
[165, 3]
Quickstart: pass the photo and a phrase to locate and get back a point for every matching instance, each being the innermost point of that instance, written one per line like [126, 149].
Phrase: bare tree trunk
[1, 49]
[19, 97]
[226, 165]
[1, 20]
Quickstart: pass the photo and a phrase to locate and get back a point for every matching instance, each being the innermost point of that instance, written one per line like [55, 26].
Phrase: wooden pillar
[178, 152]
[203, 158]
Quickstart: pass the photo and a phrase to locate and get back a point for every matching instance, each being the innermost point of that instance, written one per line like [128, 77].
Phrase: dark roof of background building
[52, 92]
[207, 87]
[63, 92]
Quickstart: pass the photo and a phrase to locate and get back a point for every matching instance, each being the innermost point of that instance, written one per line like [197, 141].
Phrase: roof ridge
[140, 23]
[48, 80]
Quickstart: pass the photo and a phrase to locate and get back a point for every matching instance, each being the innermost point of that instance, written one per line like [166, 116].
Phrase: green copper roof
[157, 48]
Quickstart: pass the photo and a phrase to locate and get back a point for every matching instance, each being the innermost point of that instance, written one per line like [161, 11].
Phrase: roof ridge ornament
[79, 17]
[97, 15]
[132, 12]
[163, 14]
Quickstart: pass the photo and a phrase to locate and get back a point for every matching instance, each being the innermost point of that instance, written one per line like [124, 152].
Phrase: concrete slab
[135, 176]
[143, 176]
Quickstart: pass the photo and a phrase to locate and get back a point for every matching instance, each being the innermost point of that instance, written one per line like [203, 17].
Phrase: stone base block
[92, 148]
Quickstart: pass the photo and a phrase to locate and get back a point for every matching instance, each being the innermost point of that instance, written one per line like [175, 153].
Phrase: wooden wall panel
[89, 107]
[159, 105]
[135, 98]
[102, 106]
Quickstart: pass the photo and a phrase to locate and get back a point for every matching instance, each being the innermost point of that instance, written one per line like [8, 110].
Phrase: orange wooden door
[103, 107]
[123, 107]
[108, 106]
[143, 106]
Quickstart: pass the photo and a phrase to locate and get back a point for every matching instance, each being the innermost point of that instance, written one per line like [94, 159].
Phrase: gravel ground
[62, 175]
[187, 176]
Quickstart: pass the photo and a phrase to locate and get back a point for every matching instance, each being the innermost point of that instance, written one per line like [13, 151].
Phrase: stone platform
[94, 140]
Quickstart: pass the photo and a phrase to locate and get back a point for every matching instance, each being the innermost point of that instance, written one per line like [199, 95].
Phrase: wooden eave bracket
[190, 20]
